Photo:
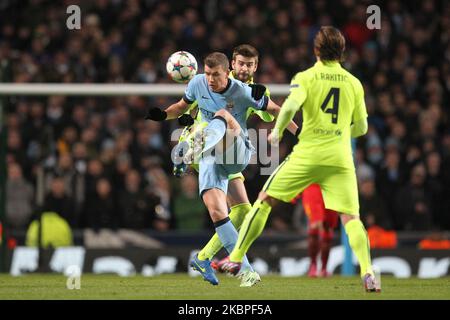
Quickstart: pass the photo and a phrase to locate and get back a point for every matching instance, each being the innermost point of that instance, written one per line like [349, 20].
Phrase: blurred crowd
[97, 163]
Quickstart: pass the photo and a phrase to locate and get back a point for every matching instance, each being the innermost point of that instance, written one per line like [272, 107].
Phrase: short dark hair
[247, 51]
[217, 59]
[330, 44]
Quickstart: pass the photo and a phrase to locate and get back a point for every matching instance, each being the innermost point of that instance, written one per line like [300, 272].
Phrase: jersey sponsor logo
[206, 98]
[207, 114]
[325, 132]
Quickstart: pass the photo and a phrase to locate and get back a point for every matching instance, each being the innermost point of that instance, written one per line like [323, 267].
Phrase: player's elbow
[365, 127]
[273, 108]
[359, 128]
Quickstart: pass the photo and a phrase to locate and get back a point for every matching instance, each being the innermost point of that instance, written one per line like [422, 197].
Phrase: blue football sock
[228, 235]
[214, 132]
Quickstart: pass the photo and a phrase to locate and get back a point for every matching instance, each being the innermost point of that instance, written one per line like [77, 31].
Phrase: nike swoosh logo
[202, 269]
[203, 97]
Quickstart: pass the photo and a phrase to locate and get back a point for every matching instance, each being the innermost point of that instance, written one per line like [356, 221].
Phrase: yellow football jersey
[331, 99]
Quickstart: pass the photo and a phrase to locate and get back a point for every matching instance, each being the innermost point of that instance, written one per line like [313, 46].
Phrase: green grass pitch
[183, 287]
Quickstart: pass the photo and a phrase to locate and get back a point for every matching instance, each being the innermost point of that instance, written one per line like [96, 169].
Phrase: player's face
[217, 78]
[244, 67]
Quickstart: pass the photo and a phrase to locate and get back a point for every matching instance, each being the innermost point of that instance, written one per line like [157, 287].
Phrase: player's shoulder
[303, 75]
[300, 81]
[352, 78]
[237, 82]
[238, 86]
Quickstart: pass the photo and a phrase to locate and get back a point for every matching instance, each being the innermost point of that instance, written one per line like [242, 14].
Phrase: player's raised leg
[223, 123]
[215, 129]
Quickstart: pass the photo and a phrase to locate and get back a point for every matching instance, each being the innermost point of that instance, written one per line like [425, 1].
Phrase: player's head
[329, 44]
[244, 62]
[216, 71]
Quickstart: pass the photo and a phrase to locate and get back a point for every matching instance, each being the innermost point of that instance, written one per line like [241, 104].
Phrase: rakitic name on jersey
[331, 77]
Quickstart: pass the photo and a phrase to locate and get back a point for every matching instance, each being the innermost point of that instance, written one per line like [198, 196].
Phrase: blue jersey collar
[226, 88]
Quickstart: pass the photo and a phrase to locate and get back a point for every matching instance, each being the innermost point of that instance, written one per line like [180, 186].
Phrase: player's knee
[222, 113]
[345, 218]
[217, 215]
[316, 225]
[327, 235]
[265, 197]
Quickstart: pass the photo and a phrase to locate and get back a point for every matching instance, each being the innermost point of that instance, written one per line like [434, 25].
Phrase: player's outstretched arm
[287, 112]
[172, 112]
[275, 109]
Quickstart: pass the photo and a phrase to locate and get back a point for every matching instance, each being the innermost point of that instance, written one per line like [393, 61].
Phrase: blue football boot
[205, 269]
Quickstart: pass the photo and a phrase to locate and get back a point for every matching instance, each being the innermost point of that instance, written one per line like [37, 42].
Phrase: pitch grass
[183, 287]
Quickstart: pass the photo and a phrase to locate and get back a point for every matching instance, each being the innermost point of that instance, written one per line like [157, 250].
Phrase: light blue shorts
[214, 169]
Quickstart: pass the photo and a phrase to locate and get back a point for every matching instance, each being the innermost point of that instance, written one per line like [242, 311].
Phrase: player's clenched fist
[185, 120]
[156, 114]
[258, 91]
[274, 138]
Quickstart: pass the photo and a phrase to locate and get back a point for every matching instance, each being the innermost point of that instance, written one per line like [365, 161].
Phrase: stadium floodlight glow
[106, 89]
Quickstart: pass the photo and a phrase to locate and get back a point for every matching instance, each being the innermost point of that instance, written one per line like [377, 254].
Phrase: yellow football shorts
[339, 186]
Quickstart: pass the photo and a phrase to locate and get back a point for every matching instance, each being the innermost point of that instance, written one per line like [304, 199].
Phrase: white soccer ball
[181, 66]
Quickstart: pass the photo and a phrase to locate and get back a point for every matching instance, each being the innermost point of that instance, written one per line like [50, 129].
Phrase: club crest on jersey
[230, 106]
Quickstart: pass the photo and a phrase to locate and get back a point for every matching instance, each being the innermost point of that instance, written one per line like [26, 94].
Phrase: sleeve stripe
[187, 100]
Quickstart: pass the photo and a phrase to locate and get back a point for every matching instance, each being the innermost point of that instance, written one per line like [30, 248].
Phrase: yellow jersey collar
[233, 76]
[329, 64]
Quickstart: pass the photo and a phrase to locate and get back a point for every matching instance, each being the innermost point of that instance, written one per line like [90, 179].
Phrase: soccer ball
[181, 66]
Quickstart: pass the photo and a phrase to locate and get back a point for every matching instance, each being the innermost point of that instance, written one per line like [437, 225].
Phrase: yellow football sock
[237, 216]
[359, 242]
[251, 228]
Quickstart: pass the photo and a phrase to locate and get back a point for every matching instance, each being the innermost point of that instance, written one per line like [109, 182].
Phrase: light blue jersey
[236, 98]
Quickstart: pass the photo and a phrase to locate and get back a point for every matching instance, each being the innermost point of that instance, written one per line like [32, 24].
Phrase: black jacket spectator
[61, 203]
[413, 205]
[101, 208]
[137, 207]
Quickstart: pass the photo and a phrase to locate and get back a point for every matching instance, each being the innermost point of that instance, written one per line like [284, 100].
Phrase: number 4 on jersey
[333, 93]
